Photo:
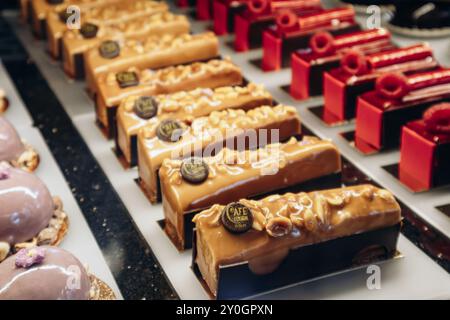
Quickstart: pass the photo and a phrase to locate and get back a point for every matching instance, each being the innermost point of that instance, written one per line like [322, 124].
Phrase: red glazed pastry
[325, 52]
[224, 12]
[293, 32]
[358, 73]
[425, 150]
[260, 14]
[396, 100]
[437, 118]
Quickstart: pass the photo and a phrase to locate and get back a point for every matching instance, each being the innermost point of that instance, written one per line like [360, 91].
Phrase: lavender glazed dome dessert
[29, 216]
[49, 273]
[14, 151]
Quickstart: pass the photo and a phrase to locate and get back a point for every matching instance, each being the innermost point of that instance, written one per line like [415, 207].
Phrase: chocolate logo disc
[169, 131]
[145, 107]
[127, 79]
[55, 1]
[237, 218]
[88, 30]
[109, 49]
[194, 170]
[64, 15]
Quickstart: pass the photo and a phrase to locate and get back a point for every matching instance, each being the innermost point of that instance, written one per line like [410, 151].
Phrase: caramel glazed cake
[153, 52]
[194, 184]
[174, 139]
[94, 19]
[267, 229]
[76, 42]
[135, 112]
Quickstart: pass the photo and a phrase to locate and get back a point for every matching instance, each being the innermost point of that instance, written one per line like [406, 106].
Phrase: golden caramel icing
[283, 222]
[240, 174]
[210, 133]
[153, 52]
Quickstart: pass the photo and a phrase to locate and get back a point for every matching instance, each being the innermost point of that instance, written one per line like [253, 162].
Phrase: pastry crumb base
[4, 104]
[29, 160]
[100, 290]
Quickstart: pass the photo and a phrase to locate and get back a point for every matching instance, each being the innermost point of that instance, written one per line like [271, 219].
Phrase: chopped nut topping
[310, 220]
[279, 226]
[4, 250]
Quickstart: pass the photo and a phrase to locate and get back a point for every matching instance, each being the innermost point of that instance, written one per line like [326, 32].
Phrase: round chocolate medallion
[88, 30]
[237, 218]
[194, 170]
[109, 49]
[127, 79]
[145, 107]
[64, 15]
[55, 1]
[169, 130]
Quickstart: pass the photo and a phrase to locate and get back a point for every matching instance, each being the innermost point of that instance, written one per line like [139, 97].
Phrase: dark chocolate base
[316, 72]
[255, 32]
[120, 156]
[79, 67]
[233, 11]
[306, 263]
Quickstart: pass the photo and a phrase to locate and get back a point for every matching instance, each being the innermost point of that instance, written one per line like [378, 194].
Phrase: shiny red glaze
[325, 18]
[396, 56]
[437, 118]
[392, 85]
[427, 79]
[259, 7]
[203, 9]
[417, 155]
[287, 21]
[323, 43]
[354, 62]
[396, 86]
[266, 7]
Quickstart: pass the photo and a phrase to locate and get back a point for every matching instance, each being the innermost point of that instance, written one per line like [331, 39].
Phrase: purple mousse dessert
[29, 215]
[49, 273]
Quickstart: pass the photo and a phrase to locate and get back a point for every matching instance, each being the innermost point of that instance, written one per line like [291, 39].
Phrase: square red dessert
[358, 73]
[292, 32]
[425, 150]
[224, 12]
[204, 9]
[325, 52]
[397, 100]
[260, 14]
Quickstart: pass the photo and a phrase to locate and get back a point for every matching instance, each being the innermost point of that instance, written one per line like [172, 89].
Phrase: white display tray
[415, 276]
[16, 113]
[79, 239]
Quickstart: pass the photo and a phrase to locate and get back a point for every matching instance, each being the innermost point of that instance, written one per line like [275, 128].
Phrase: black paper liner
[305, 263]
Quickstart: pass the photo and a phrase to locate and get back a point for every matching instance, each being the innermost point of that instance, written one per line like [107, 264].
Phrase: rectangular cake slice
[184, 106]
[232, 175]
[265, 234]
[234, 128]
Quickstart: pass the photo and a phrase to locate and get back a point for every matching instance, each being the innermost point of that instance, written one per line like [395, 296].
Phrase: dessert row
[238, 180]
[32, 224]
[362, 75]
